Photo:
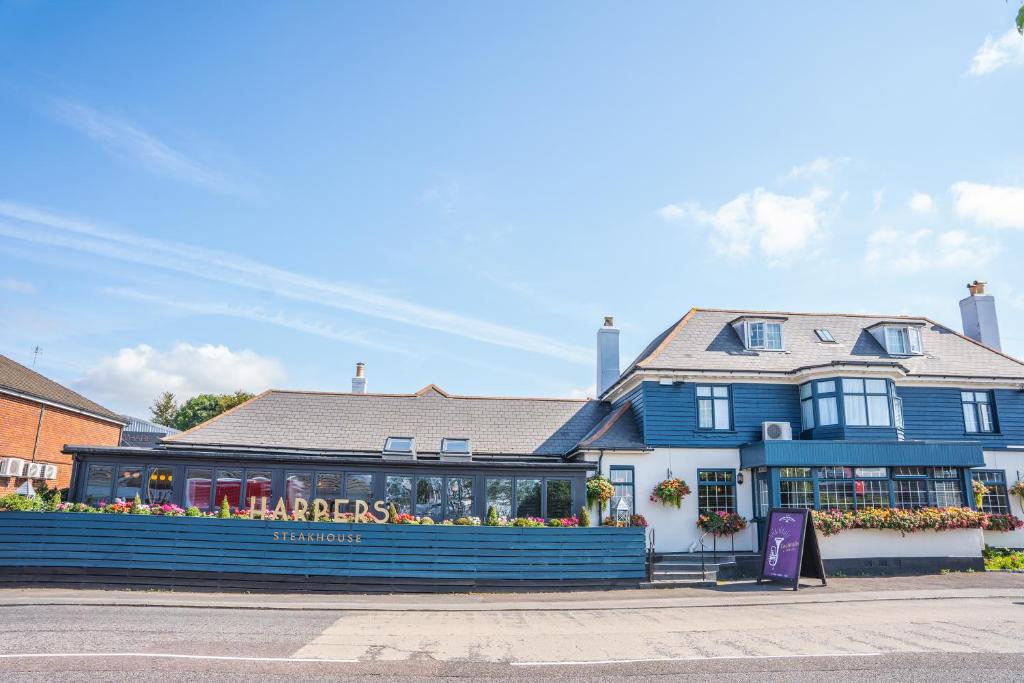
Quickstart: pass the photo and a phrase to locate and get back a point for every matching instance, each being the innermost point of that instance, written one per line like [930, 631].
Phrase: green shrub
[1002, 558]
[137, 505]
[193, 512]
[392, 514]
[584, 516]
[15, 502]
[225, 509]
[426, 520]
[492, 516]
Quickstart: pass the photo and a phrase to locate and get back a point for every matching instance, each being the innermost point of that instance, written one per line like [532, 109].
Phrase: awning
[862, 454]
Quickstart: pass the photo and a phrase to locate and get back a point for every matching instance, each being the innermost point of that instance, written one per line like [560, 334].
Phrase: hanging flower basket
[599, 489]
[670, 492]
[720, 523]
[980, 491]
[1017, 489]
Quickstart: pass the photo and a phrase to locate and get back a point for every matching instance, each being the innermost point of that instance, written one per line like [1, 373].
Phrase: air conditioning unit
[11, 467]
[32, 470]
[776, 431]
[49, 472]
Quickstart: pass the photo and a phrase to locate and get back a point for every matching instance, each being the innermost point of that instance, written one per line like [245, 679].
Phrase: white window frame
[910, 340]
[763, 346]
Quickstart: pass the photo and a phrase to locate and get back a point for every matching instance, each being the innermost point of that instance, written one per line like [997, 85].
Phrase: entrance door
[761, 503]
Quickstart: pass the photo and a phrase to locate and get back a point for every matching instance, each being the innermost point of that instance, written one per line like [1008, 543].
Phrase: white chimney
[359, 381]
[978, 313]
[607, 355]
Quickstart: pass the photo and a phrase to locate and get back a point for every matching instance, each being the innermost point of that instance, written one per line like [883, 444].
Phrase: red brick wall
[18, 421]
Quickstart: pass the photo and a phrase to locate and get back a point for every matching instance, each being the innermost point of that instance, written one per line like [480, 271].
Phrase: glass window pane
[911, 472]
[911, 493]
[455, 446]
[834, 472]
[328, 486]
[756, 335]
[854, 409]
[981, 396]
[228, 485]
[197, 488]
[807, 414]
[428, 497]
[258, 485]
[358, 486]
[948, 494]
[720, 392]
[703, 391]
[499, 496]
[985, 415]
[396, 444]
[705, 414]
[795, 472]
[872, 494]
[853, 386]
[945, 472]
[996, 500]
[297, 485]
[774, 336]
[828, 414]
[875, 386]
[796, 494]
[528, 498]
[721, 413]
[915, 340]
[869, 472]
[159, 486]
[398, 490]
[970, 418]
[966, 396]
[878, 411]
[129, 483]
[98, 484]
[828, 387]
[897, 412]
[805, 390]
[460, 498]
[836, 495]
[716, 491]
[559, 498]
[624, 475]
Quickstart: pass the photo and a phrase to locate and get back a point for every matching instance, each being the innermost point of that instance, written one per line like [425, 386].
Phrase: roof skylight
[455, 445]
[825, 336]
[398, 444]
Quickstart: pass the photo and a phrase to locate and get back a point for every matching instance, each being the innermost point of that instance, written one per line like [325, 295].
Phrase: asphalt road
[935, 639]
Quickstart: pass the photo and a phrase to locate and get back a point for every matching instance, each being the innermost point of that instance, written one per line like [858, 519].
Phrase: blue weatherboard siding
[862, 454]
[385, 551]
[670, 414]
[936, 413]
[637, 397]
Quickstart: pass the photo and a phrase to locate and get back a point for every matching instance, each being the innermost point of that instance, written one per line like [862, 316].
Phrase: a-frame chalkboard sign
[790, 547]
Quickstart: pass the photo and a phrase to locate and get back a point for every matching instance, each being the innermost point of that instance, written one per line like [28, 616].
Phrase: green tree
[201, 408]
[1020, 20]
[163, 409]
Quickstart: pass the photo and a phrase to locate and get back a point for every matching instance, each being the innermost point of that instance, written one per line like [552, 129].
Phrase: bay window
[866, 402]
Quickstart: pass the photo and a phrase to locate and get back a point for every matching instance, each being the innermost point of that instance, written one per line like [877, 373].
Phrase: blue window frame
[714, 407]
[866, 402]
[979, 412]
[996, 501]
[625, 487]
[851, 488]
[827, 402]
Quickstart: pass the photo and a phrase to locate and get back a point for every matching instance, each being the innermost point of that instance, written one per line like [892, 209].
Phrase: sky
[216, 196]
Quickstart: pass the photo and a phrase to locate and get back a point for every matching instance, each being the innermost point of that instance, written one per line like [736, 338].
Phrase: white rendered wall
[870, 543]
[676, 528]
[1010, 462]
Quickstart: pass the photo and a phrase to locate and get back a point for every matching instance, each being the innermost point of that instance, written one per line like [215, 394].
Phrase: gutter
[62, 406]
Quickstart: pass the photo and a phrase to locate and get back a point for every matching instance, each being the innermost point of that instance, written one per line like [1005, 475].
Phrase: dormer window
[459, 446]
[763, 335]
[825, 336]
[902, 341]
[403, 445]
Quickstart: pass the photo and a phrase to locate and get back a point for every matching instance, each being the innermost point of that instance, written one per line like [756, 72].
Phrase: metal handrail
[650, 557]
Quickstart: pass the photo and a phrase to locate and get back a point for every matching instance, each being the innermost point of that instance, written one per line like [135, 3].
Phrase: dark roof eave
[118, 420]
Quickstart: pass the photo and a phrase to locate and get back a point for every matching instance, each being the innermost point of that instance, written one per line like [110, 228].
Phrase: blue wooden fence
[78, 548]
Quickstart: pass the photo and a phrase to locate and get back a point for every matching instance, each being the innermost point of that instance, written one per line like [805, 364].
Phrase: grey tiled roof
[619, 430]
[361, 422]
[704, 339]
[17, 378]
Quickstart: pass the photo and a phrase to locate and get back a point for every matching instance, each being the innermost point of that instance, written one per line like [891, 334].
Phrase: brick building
[38, 417]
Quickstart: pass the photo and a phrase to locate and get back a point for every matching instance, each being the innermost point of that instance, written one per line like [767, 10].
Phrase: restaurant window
[129, 483]
[713, 411]
[460, 498]
[716, 491]
[828, 411]
[297, 485]
[796, 488]
[159, 486]
[917, 487]
[398, 491]
[358, 486]
[428, 497]
[978, 417]
[559, 498]
[866, 402]
[996, 501]
[622, 479]
[499, 496]
[258, 484]
[806, 407]
[197, 488]
[98, 484]
[528, 498]
[227, 485]
[328, 485]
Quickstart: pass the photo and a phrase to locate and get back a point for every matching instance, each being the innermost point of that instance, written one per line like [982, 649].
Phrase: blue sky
[209, 196]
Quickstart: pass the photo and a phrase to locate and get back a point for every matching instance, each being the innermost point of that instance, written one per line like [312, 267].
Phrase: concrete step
[685, 576]
[698, 583]
[708, 565]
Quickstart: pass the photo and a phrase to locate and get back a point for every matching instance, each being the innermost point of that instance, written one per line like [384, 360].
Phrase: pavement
[930, 628]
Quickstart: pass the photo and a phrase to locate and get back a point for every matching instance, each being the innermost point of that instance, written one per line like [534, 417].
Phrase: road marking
[163, 655]
[698, 659]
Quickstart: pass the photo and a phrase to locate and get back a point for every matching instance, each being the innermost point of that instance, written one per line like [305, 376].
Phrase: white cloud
[231, 269]
[126, 138]
[779, 226]
[133, 377]
[921, 203]
[1007, 50]
[820, 168]
[19, 286]
[995, 205]
[912, 251]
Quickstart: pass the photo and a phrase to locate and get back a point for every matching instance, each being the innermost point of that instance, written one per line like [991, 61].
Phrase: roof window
[825, 336]
[455, 445]
[399, 444]
[762, 335]
[899, 340]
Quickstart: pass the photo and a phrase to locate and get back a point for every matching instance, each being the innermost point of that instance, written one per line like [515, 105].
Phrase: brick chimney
[359, 381]
[607, 355]
[978, 313]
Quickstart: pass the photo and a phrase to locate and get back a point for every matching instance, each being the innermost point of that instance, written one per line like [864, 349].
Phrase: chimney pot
[609, 321]
[976, 288]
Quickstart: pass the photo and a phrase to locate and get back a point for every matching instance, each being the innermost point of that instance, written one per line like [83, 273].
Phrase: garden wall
[83, 549]
[871, 550]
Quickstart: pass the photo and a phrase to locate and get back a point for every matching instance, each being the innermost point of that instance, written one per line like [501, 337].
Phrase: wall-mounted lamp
[739, 478]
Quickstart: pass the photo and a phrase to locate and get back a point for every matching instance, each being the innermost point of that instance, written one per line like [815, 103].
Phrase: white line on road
[697, 659]
[47, 655]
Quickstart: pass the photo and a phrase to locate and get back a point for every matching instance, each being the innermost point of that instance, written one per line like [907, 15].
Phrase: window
[159, 486]
[796, 490]
[460, 498]
[825, 336]
[866, 402]
[836, 495]
[625, 489]
[455, 445]
[911, 493]
[297, 485]
[977, 406]
[996, 501]
[258, 485]
[428, 497]
[716, 490]
[328, 485]
[828, 412]
[129, 483]
[499, 496]
[398, 444]
[197, 488]
[398, 491]
[559, 498]
[806, 407]
[528, 498]
[917, 487]
[764, 335]
[903, 341]
[358, 487]
[713, 408]
[872, 494]
[98, 483]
